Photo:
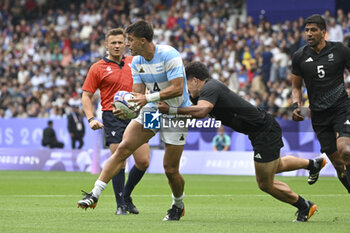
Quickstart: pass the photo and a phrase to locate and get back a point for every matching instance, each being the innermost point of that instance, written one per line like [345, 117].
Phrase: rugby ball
[121, 101]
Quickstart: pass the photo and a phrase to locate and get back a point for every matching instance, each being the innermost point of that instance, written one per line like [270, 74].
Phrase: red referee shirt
[109, 77]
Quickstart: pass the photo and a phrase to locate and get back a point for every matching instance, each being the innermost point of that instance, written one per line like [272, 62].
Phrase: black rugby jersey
[323, 73]
[231, 109]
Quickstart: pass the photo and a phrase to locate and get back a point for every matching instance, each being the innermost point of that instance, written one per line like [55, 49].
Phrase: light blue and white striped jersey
[156, 74]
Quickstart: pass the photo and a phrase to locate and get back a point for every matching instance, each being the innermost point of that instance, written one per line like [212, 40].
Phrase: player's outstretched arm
[201, 110]
[296, 97]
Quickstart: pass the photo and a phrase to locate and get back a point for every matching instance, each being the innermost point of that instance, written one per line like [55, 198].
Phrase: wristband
[153, 97]
[295, 106]
[91, 119]
[173, 111]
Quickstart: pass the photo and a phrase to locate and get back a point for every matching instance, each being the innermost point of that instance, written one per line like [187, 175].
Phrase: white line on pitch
[165, 195]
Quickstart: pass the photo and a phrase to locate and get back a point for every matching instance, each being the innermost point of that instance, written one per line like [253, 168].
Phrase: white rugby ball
[121, 101]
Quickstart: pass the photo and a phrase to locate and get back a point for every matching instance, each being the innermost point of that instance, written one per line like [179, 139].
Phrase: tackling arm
[201, 110]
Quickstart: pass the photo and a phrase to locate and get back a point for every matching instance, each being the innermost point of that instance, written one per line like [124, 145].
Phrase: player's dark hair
[115, 32]
[140, 29]
[198, 70]
[316, 19]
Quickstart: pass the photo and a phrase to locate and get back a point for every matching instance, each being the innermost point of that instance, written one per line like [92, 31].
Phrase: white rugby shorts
[173, 134]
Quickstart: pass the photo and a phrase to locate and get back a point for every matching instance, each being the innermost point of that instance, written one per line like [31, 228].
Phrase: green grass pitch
[46, 202]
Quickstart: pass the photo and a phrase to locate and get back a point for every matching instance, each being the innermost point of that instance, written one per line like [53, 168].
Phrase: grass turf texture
[46, 202]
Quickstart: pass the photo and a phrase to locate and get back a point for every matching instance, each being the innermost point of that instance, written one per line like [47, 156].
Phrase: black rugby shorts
[113, 128]
[268, 143]
[329, 124]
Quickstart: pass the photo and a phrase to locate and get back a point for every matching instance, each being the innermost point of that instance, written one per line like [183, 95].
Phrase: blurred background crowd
[47, 47]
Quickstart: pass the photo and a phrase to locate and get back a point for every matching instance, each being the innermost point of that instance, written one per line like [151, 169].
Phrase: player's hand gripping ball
[130, 109]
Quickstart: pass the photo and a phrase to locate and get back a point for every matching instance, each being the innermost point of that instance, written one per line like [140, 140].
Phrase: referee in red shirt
[111, 74]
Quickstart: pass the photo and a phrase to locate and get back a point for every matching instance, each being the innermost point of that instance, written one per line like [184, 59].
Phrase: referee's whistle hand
[297, 116]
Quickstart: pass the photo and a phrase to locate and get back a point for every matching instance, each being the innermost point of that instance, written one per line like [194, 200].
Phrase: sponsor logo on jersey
[182, 138]
[141, 70]
[331, 57]
[109, 69]
[258, 156]
[347, 122]
[113, 133]
[309, 59]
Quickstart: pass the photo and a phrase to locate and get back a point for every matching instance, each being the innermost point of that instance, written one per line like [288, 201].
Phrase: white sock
[99, 187]
[177, 201]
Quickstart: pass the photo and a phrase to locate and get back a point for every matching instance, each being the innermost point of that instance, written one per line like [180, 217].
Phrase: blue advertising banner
[27, 133]
[192, 162]
[279, 11]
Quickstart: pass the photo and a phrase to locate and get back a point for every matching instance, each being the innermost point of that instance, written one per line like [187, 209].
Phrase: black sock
[345, 181]
[118, 186]
[301, 203]
[311, 165]
[135, 176]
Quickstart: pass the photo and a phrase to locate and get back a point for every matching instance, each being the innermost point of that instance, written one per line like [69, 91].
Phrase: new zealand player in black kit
[214, 98]
[321, 65]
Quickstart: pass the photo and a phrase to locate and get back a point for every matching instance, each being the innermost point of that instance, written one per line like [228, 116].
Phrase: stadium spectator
[335, 31]
[76, 127]
[267, 63]
[49, 137]
[221, 141]
[42, 39]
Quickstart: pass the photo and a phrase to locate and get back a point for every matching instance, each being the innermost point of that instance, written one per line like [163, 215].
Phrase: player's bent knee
[124, 150]
[170, 172]
[265, 186]
[142, 165]
[337, 162]
[339, 167]
[344, 150]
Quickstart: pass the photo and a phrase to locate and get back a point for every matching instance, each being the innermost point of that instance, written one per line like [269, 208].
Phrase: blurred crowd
[47, 47]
